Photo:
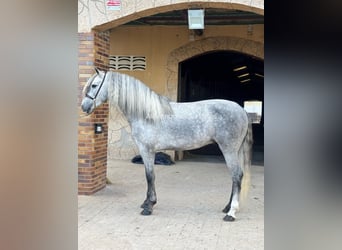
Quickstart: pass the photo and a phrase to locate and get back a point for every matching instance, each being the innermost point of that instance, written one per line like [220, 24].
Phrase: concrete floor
[191, 195]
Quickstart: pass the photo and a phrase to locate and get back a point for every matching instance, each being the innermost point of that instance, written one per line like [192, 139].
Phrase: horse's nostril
[84, 108]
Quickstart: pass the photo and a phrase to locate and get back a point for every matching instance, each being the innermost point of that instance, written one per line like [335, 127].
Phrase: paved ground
[191, 195]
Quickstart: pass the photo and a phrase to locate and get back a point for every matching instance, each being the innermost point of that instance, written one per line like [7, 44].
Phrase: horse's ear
[97, 71]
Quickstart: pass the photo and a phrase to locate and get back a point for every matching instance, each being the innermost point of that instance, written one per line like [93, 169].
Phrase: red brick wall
[92, 148]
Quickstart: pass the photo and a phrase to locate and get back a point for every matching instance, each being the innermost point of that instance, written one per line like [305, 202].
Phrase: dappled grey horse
[160, 124]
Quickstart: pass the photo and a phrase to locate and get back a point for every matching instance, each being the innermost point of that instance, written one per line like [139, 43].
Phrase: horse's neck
[129, 118]
[136, 101]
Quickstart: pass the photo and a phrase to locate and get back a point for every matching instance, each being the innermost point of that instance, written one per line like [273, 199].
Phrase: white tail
[245, 155]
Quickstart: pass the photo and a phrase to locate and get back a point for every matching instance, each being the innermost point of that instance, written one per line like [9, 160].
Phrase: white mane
[135, 99]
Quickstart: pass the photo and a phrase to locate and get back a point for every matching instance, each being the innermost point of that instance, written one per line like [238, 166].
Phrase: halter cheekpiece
[93, 98]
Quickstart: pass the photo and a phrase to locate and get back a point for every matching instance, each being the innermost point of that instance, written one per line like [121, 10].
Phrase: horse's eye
[93, 86]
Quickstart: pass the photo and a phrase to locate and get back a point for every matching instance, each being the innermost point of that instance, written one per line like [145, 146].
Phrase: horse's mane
[135, 99]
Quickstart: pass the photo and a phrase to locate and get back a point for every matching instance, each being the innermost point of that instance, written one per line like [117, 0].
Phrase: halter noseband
[93, 98]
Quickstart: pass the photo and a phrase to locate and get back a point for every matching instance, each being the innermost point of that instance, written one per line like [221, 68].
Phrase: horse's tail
[245, 155]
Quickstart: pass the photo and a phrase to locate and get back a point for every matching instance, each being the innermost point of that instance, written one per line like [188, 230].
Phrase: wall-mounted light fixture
[196, 19]
[98, 128]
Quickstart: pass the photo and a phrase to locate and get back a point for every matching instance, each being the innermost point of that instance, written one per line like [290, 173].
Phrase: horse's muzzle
[86, 107]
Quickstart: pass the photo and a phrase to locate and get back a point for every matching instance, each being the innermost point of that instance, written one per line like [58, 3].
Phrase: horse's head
[95, 92]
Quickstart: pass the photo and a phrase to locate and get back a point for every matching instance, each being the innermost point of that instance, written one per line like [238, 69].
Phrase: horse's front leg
[151, 197]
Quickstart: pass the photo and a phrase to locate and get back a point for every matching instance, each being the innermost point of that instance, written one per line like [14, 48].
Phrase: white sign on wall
[113, 4]
[254, 110]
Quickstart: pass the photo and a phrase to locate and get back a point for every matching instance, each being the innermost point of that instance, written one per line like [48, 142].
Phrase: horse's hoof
[229, 218]
[146, 212]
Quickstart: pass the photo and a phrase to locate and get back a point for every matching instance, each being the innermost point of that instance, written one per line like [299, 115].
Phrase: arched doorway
[227, 75]
[95, 24]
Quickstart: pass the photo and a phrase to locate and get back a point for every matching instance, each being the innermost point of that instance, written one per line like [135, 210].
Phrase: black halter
[93, 98]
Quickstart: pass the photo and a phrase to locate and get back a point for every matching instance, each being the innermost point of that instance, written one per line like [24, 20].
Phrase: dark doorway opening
[226, 75]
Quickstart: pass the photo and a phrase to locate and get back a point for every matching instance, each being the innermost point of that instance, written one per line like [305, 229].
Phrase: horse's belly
[182, 136]
[181, 143]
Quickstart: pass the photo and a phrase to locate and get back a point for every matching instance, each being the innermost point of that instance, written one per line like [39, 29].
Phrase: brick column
[92, 148]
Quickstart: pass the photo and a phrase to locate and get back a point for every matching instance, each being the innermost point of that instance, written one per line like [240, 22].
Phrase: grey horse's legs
[151, 197]
[237, 174]
[233, 204]
[227, 208]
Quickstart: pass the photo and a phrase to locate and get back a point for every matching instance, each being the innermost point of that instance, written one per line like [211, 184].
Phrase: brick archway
[103, 20]
[202, 46]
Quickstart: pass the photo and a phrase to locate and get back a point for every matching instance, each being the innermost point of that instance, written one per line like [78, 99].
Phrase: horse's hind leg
[151, 197]
[227, 208]
[237, 174]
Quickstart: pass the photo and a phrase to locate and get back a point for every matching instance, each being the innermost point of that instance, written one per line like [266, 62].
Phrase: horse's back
[211, 109]
[221, 118]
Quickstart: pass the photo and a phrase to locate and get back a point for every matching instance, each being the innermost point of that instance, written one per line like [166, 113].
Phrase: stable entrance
[226, 75]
